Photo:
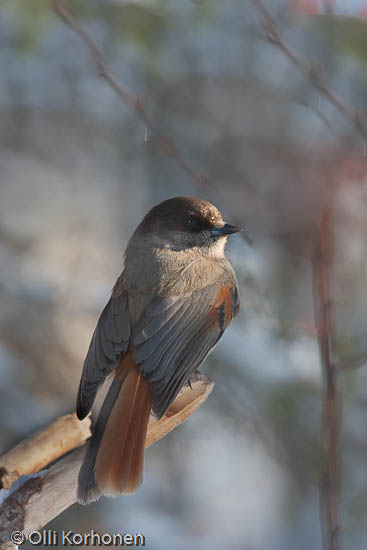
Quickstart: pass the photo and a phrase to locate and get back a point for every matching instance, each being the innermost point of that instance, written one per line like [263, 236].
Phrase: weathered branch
[47, 445]
[136, 103]
[41, 499]
[329, 489]
[311, 71]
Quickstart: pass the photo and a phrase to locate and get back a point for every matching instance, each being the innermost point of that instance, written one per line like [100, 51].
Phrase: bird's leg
[193, 377]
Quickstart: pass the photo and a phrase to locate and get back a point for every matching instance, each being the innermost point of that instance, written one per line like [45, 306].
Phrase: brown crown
[174, 214]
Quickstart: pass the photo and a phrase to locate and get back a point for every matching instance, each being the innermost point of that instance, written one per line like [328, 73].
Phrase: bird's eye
[193, 223]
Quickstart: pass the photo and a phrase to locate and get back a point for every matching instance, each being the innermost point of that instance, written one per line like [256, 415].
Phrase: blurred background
[78, 170]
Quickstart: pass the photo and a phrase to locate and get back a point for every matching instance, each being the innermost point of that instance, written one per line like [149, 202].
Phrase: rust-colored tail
[114, 460]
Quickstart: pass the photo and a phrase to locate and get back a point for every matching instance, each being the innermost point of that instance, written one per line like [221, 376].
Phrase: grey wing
[109, 341]
[175, 335]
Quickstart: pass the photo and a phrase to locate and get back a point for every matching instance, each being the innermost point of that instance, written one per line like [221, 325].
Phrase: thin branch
[311, 71]
[329, 490]
[324, 119]
[352, 363]
[44, 497]
[135, 102]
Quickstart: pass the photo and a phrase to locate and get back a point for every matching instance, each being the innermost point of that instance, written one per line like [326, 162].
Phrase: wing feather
[110, 339]
[174, 336]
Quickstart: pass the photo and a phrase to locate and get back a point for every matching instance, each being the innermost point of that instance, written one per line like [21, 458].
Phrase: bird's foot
[193, 377]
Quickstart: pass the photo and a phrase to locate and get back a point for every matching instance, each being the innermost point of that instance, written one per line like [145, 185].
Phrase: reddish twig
[329, 490]
[311, 71]
[135, 102]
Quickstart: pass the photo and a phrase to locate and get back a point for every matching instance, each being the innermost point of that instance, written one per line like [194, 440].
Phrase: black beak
[226, 229]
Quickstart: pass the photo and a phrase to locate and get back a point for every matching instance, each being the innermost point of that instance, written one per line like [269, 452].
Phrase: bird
[175, 297]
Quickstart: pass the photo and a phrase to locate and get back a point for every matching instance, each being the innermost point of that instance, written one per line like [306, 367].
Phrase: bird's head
[187, 223]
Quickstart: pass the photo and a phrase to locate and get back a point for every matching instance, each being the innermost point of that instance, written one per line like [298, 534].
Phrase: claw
[194, 377]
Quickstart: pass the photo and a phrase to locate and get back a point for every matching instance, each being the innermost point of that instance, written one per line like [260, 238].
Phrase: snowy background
[78, 171]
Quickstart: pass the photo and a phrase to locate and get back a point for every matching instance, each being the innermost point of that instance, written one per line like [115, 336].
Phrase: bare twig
[41, 499]
[35, 452]
[136, 103]
[353, 363]
[311, 71]
[324, 119]
[329, 490]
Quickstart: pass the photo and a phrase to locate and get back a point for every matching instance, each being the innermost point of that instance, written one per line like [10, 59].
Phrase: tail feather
[87, 487]
[138, 437]
[114, 459]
